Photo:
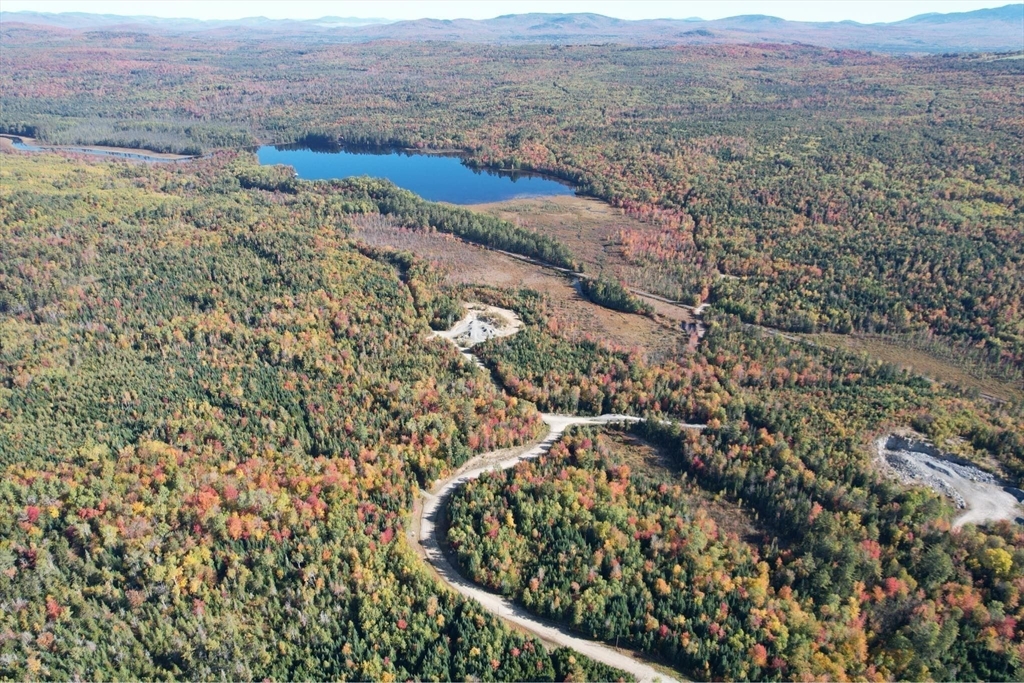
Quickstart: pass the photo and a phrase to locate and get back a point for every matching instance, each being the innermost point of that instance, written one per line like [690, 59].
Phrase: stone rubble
[915, 461]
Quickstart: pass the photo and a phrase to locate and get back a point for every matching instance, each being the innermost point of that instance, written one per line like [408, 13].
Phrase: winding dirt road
[433, 504]
[431, 512]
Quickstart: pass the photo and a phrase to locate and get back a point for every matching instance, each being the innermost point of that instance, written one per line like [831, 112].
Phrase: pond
[98, 150]
[432, 176]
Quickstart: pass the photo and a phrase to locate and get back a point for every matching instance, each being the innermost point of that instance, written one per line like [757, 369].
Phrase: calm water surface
[431, 176]
[93, 151]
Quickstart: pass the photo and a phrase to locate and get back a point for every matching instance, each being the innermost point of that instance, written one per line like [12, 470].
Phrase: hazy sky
[865, 11]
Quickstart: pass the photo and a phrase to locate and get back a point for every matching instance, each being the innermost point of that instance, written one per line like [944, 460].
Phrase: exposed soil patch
[482, 322]
[465, 263]
[983, 496]
[640, 454]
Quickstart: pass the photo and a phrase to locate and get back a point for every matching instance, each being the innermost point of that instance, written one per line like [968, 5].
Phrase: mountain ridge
[998, 29]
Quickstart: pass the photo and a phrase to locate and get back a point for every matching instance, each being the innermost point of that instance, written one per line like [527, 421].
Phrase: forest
[215, 410]
[218, 408]
[846, 575]
[891, 204]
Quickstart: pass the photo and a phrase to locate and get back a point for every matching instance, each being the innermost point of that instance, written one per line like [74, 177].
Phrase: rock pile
[476, 331]
[915, 461]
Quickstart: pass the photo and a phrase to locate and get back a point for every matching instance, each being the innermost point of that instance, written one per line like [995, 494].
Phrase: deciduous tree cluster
[214, 414]
[874, 566]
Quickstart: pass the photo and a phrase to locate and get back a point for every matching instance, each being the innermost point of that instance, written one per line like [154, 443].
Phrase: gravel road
[478, 325]
[542, 628]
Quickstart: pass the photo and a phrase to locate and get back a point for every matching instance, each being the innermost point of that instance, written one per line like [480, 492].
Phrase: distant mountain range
[988, 30]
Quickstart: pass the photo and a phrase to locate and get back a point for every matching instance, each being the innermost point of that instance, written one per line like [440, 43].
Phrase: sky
[864, 11]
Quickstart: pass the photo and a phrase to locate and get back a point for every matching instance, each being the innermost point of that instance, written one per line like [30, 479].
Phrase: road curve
[431, 512]
[492, 602]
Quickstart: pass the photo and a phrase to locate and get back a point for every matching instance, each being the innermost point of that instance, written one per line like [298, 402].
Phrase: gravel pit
[982, 496]
[482, 322]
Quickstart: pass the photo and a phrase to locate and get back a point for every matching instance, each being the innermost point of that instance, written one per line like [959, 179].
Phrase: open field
[589, 227]
[466, 263]
[922, 363]
[594, 232]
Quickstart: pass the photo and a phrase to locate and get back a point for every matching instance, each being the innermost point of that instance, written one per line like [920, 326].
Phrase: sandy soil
[983, 496]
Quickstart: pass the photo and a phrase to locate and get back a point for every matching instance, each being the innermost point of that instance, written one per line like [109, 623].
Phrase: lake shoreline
[467, 157]
[33, 145]
[435, 175]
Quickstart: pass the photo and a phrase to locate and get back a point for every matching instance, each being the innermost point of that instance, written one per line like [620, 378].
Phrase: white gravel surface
[482, 322]
[982, 496]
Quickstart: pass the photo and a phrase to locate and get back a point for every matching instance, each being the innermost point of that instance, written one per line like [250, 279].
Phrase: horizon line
[383, 20]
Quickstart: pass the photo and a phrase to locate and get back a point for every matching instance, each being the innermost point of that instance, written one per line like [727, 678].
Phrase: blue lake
[431, 176]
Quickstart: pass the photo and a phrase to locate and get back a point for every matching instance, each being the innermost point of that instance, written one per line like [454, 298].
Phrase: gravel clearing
[482, 322]
[983, 496]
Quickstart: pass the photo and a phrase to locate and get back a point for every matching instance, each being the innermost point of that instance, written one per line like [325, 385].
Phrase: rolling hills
[991, 30]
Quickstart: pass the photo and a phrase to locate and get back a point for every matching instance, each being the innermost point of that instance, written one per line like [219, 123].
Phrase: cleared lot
[983, 496]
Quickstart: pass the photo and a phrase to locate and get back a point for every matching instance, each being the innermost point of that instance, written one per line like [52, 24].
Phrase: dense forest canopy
[218, 406]
[214, 413]
[802, 188]
[843, 574]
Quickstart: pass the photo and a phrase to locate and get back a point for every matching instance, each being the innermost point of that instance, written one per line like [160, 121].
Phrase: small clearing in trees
[983, 496]
[482, 322]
